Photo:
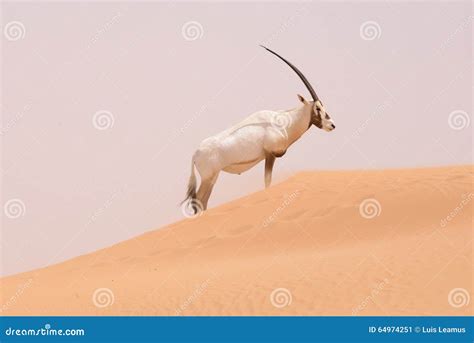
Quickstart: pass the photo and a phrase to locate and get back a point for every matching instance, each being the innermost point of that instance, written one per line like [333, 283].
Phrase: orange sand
[305, 235]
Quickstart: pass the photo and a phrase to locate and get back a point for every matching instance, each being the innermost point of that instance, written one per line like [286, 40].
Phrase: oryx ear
[303, 100]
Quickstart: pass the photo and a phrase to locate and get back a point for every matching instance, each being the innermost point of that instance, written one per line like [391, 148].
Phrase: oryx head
[319, 116]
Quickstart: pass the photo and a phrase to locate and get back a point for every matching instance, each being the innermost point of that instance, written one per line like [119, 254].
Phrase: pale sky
[395, 77]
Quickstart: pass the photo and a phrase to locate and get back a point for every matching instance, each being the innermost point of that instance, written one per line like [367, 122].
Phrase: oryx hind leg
[205, 190]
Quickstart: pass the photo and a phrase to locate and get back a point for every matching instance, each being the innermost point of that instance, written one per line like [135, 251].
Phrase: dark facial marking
[316, 119]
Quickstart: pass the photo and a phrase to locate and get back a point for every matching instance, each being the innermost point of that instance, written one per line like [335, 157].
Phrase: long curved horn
[300, 74]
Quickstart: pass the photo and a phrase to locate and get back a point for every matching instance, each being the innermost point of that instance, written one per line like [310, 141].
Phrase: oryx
[263, 135]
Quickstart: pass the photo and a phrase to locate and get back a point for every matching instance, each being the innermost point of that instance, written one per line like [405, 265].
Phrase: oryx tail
[191, 192]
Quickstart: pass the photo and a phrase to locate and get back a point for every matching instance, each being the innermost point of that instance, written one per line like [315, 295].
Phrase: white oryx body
[264, 135]
[242, 146]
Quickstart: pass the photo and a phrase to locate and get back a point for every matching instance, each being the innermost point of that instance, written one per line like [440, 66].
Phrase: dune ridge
[373, 242]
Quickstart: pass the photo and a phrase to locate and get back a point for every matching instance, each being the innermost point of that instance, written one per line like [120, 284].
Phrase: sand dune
[302, 247]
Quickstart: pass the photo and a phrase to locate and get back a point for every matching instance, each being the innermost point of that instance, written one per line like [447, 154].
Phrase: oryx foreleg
[269, 161]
